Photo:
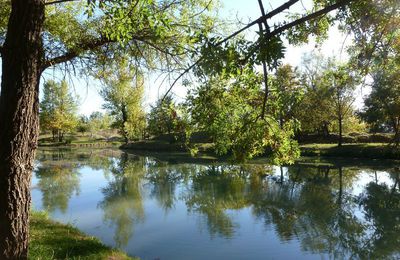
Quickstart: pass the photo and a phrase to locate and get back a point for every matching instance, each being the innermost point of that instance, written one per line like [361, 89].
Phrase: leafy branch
[270, 35]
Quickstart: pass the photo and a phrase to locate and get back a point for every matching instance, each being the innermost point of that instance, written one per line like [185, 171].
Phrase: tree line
[315, 99]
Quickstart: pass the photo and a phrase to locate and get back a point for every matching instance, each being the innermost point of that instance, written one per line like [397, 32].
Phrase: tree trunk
[124, 120]
[396, 128]
[60, 136]
[325, 129]
[22, 56]
[340, 131]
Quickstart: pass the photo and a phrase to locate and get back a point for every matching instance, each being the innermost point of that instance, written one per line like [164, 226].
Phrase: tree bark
[22, 58]
[340, 131]
[124, 120]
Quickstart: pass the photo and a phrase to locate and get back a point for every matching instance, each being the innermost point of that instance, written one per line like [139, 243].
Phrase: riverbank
[360, 150]
[52, 240]
[353, 150]
[75, 141]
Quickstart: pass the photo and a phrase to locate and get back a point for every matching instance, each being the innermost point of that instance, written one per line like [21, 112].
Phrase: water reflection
[313, 208]
[58, 183]
[381, 203]
[332, 210]
[217, 189]
[122, 203]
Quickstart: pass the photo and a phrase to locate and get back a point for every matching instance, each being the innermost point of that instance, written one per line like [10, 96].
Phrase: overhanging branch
[259, 20]
[310, 17]
[264, 63]
[59, 1]
[73, 53]
[262, 19]
[277, 31]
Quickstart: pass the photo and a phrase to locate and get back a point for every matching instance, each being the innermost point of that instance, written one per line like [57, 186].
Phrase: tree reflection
[122, 203]
[218, 189]
[382, 209]
[164, 179]
[59, 177]
[313, 204]
[58, 182]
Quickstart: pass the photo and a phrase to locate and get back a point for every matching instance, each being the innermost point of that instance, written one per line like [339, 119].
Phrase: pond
[170, 208]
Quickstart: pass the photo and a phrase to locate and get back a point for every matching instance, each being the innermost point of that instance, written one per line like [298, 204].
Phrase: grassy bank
[77, 141]
[52, 240]
[353, 150]
[363, 150]
[162, 146]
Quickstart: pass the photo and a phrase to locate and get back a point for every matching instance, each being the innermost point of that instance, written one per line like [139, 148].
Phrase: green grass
[80, 141]
[351, 150]
[52, 240]
[358, 150]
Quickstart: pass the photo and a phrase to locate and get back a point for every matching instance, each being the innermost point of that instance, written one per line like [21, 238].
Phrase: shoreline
[50, 239]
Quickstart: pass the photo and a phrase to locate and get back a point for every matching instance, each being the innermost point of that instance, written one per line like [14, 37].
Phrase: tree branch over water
[59, 2]
[263, 19]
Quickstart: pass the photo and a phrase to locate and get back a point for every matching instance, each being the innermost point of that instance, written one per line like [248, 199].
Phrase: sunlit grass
[357, 150]
[52, 240]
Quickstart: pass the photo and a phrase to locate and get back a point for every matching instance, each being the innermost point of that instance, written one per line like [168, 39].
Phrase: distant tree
[382, 106]
[327, 103]
[95, 122]
[83, 125]
[58, 109]
[286, 93]
[316, 110]
[163, 117]
[342, 82]
[123, 96]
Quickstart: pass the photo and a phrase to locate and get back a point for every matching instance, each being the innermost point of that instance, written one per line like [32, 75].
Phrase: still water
[171, 208]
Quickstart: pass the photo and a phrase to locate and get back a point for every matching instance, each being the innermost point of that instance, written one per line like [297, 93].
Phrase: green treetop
[58, 109]
[123, 94]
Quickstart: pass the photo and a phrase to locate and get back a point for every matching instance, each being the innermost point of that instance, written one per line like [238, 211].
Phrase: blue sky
[245, 11]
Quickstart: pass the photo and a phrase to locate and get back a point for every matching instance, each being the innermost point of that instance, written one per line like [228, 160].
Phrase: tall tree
[342, 83]
[22, 65]
[382, 106]
[123, 94]
[58, 109]
[286, 93]
[316, 110]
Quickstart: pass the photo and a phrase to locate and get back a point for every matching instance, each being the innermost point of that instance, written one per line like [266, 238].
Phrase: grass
[80, 141]
[52, 240]
[358, 150]
[349, 150]
[163, 146]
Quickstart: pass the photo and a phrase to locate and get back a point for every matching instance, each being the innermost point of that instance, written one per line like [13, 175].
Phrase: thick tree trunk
[19, 106]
